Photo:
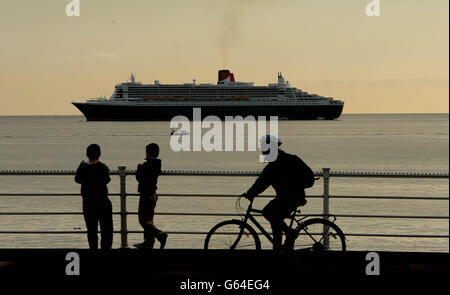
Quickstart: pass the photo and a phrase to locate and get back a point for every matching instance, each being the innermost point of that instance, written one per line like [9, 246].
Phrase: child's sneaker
[162, 239]
[144, 245]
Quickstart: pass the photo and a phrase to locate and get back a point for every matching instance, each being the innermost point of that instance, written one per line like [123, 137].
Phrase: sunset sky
[397, 62]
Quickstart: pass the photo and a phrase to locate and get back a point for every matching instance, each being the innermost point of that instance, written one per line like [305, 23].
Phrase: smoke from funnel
[231, 25]
[230, 34]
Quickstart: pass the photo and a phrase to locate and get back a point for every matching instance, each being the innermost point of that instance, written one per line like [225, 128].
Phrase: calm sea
[395, 143]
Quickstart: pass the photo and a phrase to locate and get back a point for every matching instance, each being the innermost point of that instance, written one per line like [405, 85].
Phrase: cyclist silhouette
[284, 174]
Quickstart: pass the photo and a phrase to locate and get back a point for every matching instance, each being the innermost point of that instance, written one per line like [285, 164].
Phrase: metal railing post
[123, 207]
[326, 205]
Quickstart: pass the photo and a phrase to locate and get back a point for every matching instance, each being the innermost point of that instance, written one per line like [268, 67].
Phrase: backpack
[306, 174]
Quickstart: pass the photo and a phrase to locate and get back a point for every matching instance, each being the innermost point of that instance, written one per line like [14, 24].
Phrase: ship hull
[105, 112]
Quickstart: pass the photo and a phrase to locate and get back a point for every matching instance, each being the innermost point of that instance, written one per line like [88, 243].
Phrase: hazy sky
[397, 62]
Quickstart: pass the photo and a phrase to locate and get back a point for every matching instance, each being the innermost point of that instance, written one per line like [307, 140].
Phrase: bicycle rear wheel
[225, 235]
[313, 235]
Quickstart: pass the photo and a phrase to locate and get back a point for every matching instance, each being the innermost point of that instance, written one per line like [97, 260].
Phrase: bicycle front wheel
[319, 234]
[226, 235]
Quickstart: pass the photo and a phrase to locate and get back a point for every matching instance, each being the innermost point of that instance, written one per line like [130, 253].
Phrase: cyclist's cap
[270, 138]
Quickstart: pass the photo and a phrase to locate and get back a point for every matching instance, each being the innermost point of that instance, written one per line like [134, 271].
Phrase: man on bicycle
[286, 174]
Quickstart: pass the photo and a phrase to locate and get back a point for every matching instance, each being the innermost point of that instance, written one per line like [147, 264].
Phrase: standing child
[147, 177]
[93, 176]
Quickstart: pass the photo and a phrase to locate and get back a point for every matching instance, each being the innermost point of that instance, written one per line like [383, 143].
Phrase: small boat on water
[178, 132]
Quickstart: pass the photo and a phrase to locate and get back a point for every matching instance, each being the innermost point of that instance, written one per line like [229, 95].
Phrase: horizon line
[72, 115]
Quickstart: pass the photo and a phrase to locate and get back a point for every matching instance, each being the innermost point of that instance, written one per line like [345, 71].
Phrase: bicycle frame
[249, 216]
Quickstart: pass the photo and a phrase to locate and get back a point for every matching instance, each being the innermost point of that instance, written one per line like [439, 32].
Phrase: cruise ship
[135, 101]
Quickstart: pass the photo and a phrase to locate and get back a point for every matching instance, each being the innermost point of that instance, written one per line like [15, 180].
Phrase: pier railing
[326, 174]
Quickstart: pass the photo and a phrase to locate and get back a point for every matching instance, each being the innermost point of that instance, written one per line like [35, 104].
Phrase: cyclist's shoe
[162, 239]
[290, 240]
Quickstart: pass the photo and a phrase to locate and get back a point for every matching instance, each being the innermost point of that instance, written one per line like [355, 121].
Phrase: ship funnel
[225, 77]
[280, 79]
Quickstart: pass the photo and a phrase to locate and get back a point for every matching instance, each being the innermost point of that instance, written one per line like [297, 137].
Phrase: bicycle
[239, 234]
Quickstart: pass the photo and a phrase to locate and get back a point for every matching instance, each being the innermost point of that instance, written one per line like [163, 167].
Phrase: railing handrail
[326, 174]
[228, 196]
[237, 214]
[242, 173]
